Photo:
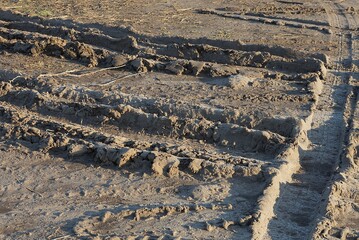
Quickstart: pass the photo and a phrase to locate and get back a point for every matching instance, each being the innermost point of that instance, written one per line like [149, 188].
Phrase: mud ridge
[52, 136]
[95, 225]
[155, 106]
[267, 20]
[125, 40]
[173, 58]
[288, 163]
[298, 20]
[126, 116]
[295, 9]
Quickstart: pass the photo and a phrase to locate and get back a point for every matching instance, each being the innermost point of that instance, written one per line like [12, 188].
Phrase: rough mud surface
[179, 120]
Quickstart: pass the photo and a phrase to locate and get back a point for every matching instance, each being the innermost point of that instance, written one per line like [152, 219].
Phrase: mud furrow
[175, 61]
[293, 10]
[107, 104]
[25, 42]
[124, 40]
[38, 95]
[307, 189]
[52, 136]
[267, 20]
[124, 116]
[176, 58]
[294, 20]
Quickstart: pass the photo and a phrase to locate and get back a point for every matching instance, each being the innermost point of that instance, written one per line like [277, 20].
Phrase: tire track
[339, 215]
[297, 207]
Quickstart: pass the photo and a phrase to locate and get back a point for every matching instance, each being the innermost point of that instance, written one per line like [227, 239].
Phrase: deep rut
[297, 207]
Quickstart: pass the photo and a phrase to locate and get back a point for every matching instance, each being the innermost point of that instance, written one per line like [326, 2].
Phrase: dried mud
[170, 137]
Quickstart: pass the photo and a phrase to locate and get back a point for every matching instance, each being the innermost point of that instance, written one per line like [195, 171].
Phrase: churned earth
[179, 120]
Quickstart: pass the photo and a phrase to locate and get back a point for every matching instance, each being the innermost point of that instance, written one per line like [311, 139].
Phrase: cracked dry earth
[179, 120]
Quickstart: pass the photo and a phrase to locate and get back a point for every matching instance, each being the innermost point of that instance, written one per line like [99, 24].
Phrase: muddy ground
[179, 119]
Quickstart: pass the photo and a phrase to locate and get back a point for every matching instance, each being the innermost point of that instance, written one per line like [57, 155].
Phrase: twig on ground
[29, 189]
[71, 72]
[10, 81]
[184, 9]
[114, 80]
[54, 233]
[33, 191]
[62, 237]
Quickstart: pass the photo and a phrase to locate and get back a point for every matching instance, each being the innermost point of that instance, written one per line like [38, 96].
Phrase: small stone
[209, 227]
[106, 216]
[175, 67]
[138, 65]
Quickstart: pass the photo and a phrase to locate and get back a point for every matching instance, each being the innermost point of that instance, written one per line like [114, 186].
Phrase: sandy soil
[179, 119]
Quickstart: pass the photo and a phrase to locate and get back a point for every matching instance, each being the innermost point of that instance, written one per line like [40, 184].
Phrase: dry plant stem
[114, 80]
[70, 72]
